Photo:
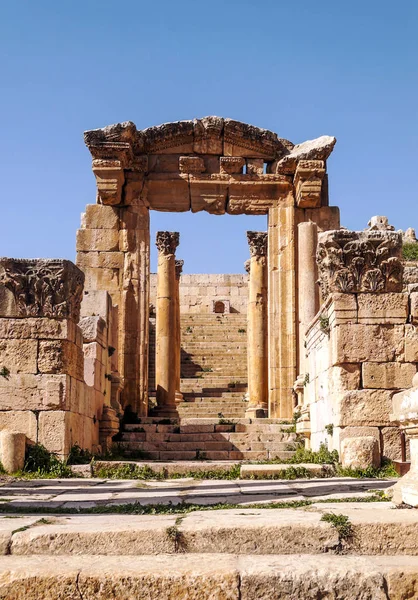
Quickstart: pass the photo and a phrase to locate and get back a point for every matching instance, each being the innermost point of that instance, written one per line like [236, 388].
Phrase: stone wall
[199, 292]
[361, 347]
[55, 365]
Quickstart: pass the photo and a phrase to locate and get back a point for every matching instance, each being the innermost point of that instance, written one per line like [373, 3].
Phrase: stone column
[179, 268]
[257, 329]
[166, 337]
[308, 289]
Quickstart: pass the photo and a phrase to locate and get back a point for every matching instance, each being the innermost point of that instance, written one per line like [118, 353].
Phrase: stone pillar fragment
[179, 267]
[257, 326]
[166, 337]
[308, 290]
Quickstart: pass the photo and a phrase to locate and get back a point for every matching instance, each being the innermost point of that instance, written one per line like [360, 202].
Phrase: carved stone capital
[231, 164]
[257, 241]
[167, 241]
[359, 261]
[247, 266]
[40, 288]
[179, 268]
[379, 223]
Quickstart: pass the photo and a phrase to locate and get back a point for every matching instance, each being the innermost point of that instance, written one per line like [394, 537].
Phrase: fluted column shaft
[166, 337]
[257, 326]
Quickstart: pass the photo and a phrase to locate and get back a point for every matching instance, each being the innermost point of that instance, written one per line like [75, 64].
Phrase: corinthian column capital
[257, 240]
[179, 268]
[167, 241]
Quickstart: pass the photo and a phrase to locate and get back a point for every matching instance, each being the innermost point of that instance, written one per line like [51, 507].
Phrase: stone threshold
[209, 577]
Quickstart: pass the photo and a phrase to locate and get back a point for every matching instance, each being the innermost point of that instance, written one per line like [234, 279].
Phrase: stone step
[219, 452]
[212, 576]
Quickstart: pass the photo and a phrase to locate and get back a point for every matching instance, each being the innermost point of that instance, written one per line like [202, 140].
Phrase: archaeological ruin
[320, 331]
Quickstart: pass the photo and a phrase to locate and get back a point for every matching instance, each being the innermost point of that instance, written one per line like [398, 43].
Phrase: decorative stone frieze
[42, 288]
[179, 268]
[257, 241]
[359, 261]
[191, 164]
[167, 241]
[231, 164]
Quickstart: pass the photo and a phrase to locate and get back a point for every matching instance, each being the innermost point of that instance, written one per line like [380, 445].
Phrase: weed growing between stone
[341, 523]
[169, 509]
[386, 470]
[39, 463]
[410, 251]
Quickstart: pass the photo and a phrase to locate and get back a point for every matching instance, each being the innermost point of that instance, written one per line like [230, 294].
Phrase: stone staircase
[208, 439]
[213, 365]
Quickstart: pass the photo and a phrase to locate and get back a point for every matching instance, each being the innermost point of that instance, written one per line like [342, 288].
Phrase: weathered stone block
[389, 308]
[20, 420]
[413, 296]
[100, 260]
[209, 194]
[360, 453]
[18, 356]
[96, 302]
[35, 328]
[359, 343]
[61, 357]
[93, 330]
[98, 216]
[358, 432]
[34, 392]
[391, 443]
[389, 376]
[99, 240]
[343, 309]
[364, 408]
[411, 343]
[13, 446]
[102, 279]
[168, 192]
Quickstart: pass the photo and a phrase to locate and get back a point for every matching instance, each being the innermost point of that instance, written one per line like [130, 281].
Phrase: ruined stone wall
[361, 347]
[198, 293]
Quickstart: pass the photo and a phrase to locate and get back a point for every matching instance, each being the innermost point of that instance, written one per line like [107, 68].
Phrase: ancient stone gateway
[220, 166]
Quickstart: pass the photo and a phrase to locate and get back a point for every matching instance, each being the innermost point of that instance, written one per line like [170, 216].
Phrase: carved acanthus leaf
[167, 241]
[359, 261]
[44, 288]
[257, 241]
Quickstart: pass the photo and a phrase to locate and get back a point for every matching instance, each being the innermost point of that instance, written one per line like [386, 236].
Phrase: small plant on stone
[410, 251]
[241, 330]
[207, 370]
[341, 523]
[329, 429]
[78, 456]
[324, 324]
[43, 463]
[189, 330]
[223, 421]
[201, 455]
[4, 372]
[175, 535]
[306, 380]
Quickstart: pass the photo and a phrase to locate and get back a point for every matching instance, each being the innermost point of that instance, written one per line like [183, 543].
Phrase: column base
[256, 412]
[179, 397]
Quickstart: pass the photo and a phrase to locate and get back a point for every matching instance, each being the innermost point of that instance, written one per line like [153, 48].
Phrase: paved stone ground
[86, 493]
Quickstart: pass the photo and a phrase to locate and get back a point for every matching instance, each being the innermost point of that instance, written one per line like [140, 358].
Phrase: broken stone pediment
[318, 149]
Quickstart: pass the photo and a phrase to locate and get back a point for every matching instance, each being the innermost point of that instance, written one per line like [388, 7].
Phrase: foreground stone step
[209, 577]
[377, 529]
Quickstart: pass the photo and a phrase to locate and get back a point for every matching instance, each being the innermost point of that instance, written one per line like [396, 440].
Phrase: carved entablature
[167, 241]
[179, 268]
[359, 261]
[257, 241]
[191, 164]
[308, 183]
[41, 288]
[231, 164]
[169, 157]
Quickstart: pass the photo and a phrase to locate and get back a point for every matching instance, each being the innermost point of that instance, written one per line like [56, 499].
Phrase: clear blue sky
[301, 69]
